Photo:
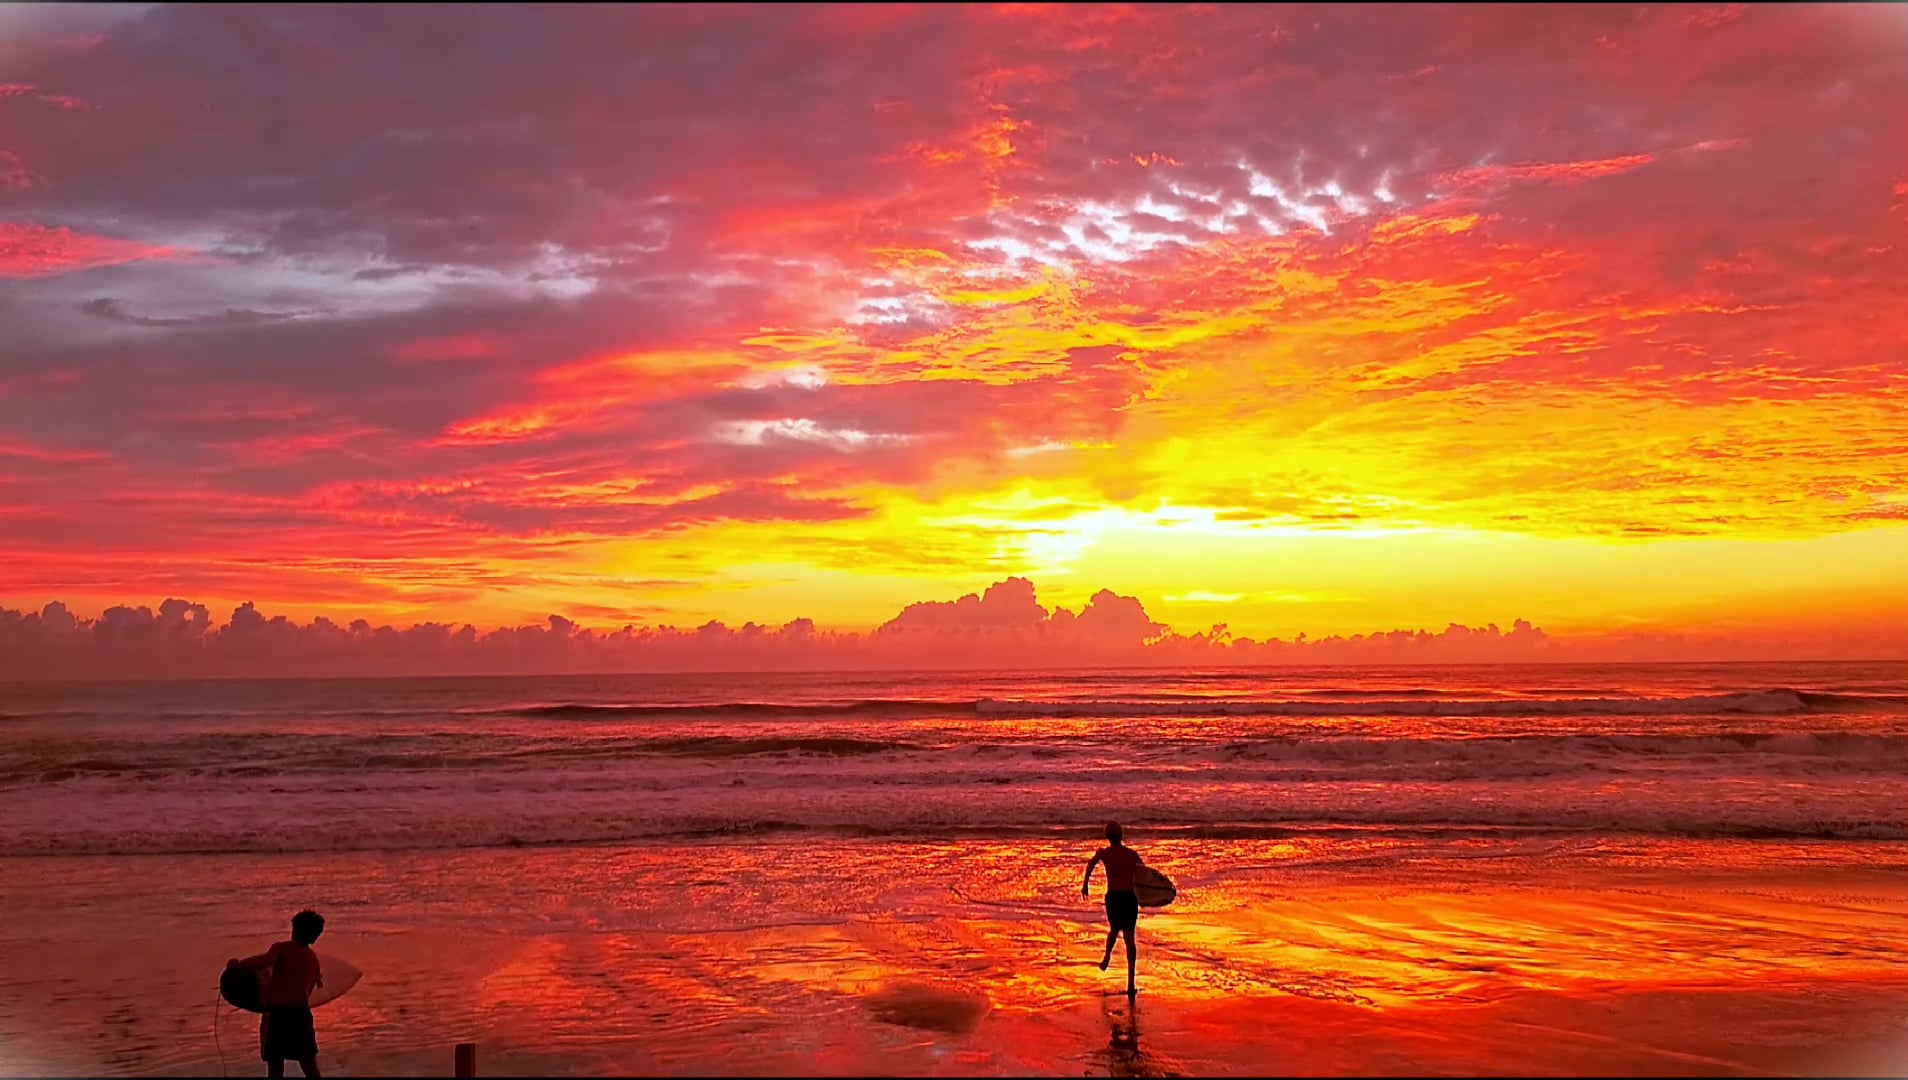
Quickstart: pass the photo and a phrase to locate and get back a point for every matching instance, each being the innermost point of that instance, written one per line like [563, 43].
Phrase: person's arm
[1088, 880]
[262, 960]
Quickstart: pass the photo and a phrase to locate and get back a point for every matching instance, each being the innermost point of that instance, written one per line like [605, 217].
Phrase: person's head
[1114, 832]
[306, 926]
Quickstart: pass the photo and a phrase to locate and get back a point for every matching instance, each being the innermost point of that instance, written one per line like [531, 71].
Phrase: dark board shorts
[1122, 909]
[287, 1035]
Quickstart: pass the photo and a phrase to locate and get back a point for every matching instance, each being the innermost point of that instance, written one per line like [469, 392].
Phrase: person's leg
[1112, 935]
[274, 1065]
[1132, 958]
[308, 1066]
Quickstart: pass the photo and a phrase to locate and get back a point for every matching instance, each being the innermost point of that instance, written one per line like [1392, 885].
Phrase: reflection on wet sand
[854, 958]
[928, 1007]
[1124, 1055]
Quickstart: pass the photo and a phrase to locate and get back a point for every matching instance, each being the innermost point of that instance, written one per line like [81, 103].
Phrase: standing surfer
[1122, 903]
[285, 1030]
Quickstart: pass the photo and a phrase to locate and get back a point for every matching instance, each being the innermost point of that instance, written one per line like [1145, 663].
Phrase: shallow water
[974, 957]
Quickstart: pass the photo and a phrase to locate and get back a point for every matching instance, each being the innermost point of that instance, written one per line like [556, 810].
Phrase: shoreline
[1789, 851]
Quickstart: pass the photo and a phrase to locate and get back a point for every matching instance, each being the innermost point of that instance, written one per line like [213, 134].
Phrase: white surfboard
[338, 976]
[244, 989]
[1152, 888]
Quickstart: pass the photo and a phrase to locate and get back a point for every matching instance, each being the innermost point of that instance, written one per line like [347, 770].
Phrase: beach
[857, 958]
[1377, 903]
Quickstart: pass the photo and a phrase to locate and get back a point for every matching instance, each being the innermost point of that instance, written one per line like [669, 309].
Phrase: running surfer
[1122, 903]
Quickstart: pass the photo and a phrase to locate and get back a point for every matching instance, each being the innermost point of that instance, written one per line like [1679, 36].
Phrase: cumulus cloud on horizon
[1004, 626]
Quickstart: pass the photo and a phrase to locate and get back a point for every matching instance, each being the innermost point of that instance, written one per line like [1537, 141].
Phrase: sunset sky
[1327, 319]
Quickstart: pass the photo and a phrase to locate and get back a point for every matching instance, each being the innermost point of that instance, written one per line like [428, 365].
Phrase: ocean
[597, 874]
[1746, 750]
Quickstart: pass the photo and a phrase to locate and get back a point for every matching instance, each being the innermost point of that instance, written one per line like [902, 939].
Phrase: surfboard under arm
[245, 989]
[1152, 888]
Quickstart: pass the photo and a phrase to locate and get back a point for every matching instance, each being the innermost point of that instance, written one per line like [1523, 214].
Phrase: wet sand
[1492, 956]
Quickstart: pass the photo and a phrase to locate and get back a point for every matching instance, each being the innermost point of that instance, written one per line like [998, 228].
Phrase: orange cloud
[1562, 171]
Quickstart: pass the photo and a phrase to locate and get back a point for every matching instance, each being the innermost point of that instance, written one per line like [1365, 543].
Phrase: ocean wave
[887, 708]
[842, 758]
[1773, 702]
[723, 746]
[1450, 822]
[1323, 702]
[1299, 702]
[1402, 692]
[356, 756]
[1885, 752]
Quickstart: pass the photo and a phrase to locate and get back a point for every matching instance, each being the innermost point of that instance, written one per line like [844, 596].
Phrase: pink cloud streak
[28, 250]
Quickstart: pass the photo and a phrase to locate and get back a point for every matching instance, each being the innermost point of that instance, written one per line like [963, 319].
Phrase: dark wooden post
[466, 1060]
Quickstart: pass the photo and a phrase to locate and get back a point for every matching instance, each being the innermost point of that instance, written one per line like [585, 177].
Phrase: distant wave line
[1430, 824]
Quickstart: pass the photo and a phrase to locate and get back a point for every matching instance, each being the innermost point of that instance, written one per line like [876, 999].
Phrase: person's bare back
[1120, 862]
[295, 974]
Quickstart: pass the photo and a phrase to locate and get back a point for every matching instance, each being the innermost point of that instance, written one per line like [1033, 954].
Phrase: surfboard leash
[215, 1031]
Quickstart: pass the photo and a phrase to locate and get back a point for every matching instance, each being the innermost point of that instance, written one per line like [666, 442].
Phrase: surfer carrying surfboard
[285, 1028]
[1122, 903]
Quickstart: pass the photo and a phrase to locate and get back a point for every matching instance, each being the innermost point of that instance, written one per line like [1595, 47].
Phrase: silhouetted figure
[285, 1028]
[1122, 904]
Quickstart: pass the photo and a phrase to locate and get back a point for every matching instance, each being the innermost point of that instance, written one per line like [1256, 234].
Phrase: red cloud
[32, 92]
[13, 171]
[40, 251]
[456, 347]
